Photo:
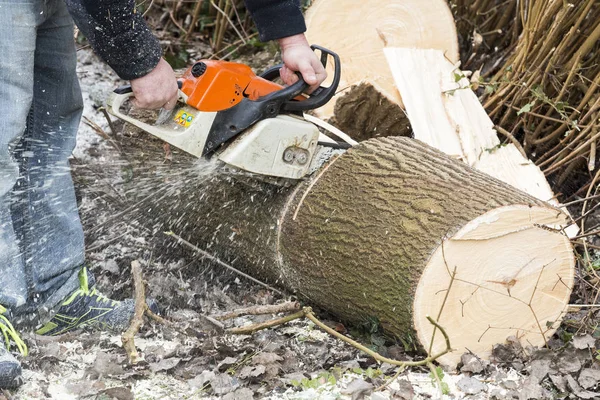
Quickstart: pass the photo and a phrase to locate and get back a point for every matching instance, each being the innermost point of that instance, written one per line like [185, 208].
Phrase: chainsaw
[247, 121]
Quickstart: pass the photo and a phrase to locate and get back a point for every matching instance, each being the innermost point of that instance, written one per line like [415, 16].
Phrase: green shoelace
[84, 290]
[9, 332]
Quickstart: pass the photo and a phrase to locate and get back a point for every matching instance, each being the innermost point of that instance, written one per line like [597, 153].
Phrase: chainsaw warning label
[183, 118]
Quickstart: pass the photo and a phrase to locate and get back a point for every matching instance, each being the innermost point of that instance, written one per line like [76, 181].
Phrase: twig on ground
[221, 263]
[250, 329]
[310, 315]
[137, 321]
[392, 379]
[171, 325]
[7, 394]
[219, 325]
[594, 233]
[101, 133]
[260, 310]
[581, 200]
[438, 380]
[108, 120]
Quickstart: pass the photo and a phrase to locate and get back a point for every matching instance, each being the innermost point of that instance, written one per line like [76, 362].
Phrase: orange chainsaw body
[219, 85]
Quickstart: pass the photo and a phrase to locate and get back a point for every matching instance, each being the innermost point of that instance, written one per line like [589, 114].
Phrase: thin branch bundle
[223, 23]
[546, 91]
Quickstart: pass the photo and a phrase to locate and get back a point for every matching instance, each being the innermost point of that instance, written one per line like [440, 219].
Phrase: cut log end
[361, 30]
[513, 273]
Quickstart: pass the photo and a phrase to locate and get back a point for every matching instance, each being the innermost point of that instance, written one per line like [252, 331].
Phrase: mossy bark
[354, 239]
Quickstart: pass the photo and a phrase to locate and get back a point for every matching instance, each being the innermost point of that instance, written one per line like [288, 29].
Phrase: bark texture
[353, 240]
[367, 228]
[364, 113]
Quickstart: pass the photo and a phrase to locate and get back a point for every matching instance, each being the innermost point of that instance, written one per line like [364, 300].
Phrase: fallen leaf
[53, 350]
[470, 385]
[111, 266]
[251, 372]
[84, 387]
[538, 369]
[266, 358]
[530, 389]
[567, 362]
[584, 342]
[201, 380]
[560, 382]
[226, 363]
[295, 376]
[358, 389]
[578, 391]
[589, 377]
[165, 364]
[405, 391]
[502, 354]
[223, 383]
[119, 393]
[240, 394]
[471, 363]
[271, 371]
[104, 365]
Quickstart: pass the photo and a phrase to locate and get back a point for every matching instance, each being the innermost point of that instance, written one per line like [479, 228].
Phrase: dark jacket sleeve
[276, 19]
[118, 34]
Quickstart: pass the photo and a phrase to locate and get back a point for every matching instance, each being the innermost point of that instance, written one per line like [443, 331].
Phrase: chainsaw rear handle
[127, 88]
[120, 95]
[318, 98]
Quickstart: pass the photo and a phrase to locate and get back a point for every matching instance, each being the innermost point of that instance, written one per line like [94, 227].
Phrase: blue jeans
[41, 237]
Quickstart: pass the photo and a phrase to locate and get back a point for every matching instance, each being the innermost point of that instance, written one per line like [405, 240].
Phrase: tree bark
[357, 238]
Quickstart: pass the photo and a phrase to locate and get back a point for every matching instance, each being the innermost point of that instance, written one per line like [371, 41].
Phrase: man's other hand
[297, 56]
[158, 89]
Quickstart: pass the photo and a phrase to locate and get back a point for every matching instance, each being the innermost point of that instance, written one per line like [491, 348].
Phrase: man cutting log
[43, 278]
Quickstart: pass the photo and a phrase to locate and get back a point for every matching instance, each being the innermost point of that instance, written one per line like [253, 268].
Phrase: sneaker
[10, 368]
[86, 308]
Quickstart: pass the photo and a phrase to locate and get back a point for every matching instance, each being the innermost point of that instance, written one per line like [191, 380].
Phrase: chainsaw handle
[271, 73]
[119, 96]
[127, 88]
[319, 97]
[116, 100]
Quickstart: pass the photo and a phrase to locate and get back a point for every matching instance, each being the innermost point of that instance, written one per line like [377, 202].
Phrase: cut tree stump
[368, 103]
[377, 234]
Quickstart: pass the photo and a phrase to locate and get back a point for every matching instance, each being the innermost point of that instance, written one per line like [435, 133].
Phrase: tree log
[378, 232]
[358, 31]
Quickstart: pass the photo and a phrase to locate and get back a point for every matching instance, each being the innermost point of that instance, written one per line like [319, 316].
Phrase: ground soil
[293, 361]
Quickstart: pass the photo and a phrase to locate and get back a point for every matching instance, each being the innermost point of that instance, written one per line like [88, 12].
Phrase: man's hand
[297, 56]
[156, 89]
